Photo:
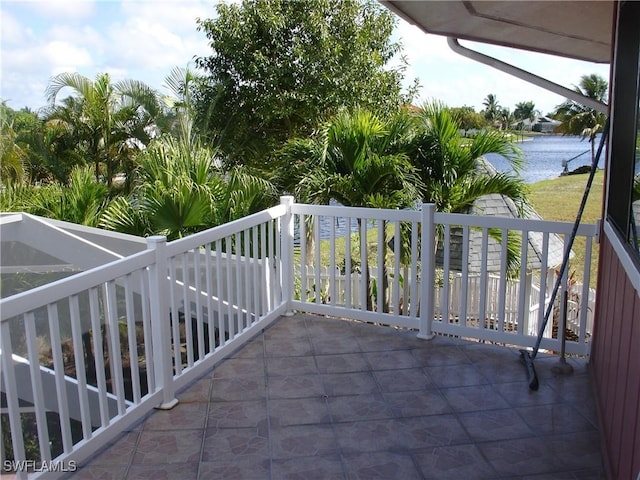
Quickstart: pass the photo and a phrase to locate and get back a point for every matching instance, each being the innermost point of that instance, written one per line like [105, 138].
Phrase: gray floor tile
[233, 445]
[347, 399]
[296, 386]
[354, 383]
[358, 407]
[369, 436]
[454, 463]
[381, 465]
[342, 363]
[237, 414]
[317, 467]
[495, 425]
[404, 380]
[303, 441]
[298, 411]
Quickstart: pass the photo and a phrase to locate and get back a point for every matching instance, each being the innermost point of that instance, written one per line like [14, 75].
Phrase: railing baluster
[272, 262]
[348, 303]
[230, 320]
[277, 223]
[364, 265]
[303, 258]
[464, 284]
[146, 328]
[397, 252]
[267, 267]
[96, 327]
[584, 298]
[332, 261]
[11, 392]
[256, 274]
[58, 365]
[36, 386]
[222, 333]
[186, 309]
[523, 310]
[197, 276]
[81, 374]
[130, 318]
[247, 279]
[210, 290]
[484, 278]
[446, 265]
[414, 270]
[238, 274]
[542, 304]
[502, 287]
[317, 266]
[381, 267]
[115, 352]
[175, 316]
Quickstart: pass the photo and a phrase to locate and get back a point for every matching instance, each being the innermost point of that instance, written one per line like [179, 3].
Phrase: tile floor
[319, 398]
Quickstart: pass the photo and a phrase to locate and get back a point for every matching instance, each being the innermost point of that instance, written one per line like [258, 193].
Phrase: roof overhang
[575, 29]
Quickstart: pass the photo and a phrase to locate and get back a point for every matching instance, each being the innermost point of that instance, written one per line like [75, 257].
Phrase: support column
[427, 270]
[160, 322]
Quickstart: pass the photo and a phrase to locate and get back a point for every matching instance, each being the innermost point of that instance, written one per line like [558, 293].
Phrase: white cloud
[65, 56]
[69, 10]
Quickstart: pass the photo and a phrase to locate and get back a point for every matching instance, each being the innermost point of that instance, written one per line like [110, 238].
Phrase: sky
[144, 39]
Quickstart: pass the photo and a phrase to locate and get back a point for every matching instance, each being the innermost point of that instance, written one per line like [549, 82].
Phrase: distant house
[545, 125]
[540, 124]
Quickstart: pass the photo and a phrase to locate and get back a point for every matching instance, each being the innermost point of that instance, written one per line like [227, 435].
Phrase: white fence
[487, 304]
[473, 288]
[96, 351]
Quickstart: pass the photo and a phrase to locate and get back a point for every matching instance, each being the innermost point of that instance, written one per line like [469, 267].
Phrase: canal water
[544, 155]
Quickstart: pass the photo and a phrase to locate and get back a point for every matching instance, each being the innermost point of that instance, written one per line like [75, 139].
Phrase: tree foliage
[468, 118]
[578, 119]
[525, 111]
[107, 120]
[451, 170]
[492, 108]
[280, 67]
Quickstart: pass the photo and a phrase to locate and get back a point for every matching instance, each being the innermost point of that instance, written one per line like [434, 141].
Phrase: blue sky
[144, 40]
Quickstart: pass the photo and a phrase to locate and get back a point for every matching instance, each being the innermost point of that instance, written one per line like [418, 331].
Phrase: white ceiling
[575, 29]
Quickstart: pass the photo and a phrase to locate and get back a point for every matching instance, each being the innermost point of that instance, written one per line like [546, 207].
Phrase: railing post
[286, 239]
[428, 264]
[160, 322]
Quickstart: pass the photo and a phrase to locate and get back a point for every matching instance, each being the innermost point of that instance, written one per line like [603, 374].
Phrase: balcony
[185, 358]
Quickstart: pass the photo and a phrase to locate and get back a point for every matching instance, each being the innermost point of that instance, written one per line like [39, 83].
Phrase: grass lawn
[559, 199]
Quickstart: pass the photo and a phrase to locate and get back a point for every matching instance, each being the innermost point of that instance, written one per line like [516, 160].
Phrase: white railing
[98, 350]
[338, 250]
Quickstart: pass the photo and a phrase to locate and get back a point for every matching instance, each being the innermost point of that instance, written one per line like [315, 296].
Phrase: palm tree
[180, 191]
[107, 119]
[506, 118]
[450, 169]
[525, 111]
[174, 194]
[13, 158]
[580, 120]
[82, 201]
[492, 108]
[356, 159]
